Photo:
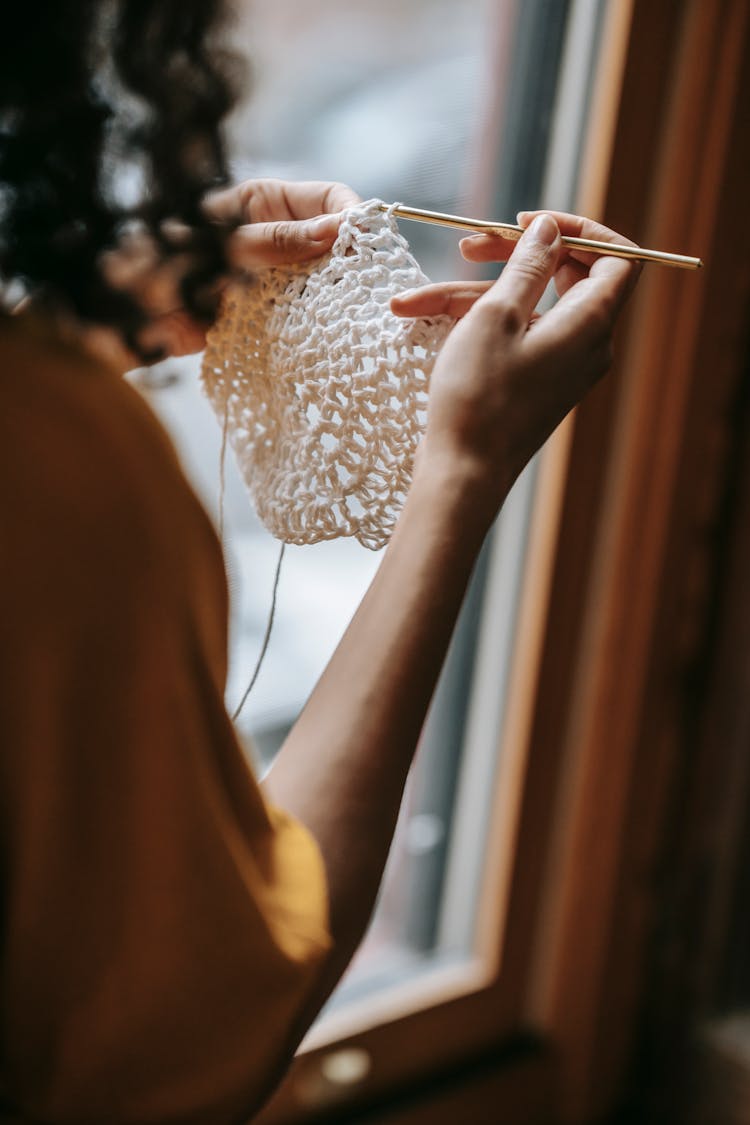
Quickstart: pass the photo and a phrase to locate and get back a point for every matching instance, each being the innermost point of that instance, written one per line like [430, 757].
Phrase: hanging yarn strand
[321, 391]
[324, 389]
[266, 637]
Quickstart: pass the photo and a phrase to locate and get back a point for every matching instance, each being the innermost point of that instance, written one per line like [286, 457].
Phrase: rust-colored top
[162, 926]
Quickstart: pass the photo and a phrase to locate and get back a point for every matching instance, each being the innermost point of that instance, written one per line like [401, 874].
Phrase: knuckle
[282, 236]
[509, 316]
[533, 264]
[442, 300]
[337, 196]
[247, 192]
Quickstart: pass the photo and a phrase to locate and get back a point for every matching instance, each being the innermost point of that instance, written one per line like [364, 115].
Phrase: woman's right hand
[501, 383]
[507, 376]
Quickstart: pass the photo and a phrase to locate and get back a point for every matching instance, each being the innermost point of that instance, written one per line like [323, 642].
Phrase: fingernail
[324, 227]
[543, 229]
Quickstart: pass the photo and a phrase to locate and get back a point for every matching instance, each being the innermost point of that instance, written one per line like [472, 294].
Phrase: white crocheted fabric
[323, 391]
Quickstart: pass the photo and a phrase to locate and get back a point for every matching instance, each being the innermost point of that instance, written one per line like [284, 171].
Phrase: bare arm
[343, 767]
[498, 390]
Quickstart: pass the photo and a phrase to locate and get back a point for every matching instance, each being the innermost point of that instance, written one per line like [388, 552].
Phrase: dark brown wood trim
[646, 459]
[514, 1085]
[675, 169]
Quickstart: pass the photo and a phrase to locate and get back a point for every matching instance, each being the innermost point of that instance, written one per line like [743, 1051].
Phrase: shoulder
[60, 405]
[90, 485]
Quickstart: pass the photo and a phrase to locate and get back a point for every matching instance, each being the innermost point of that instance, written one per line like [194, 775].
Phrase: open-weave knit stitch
[321, 389]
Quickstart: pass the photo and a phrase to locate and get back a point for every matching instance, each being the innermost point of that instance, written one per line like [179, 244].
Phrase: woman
[170, 929]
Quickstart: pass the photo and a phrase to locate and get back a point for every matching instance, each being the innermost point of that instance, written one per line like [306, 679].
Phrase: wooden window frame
[677, 173]
[613, 609]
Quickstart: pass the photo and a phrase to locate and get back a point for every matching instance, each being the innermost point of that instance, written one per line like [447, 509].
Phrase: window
[473, 107]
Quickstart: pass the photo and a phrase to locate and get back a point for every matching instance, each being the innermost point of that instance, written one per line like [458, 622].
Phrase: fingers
[569, 273]
[486, 248]
[281, 222]
[577, 226]
[257, 245]
[339, 197]
[269, 200]
[527, 274]
[495, 248]
[620, 274]
[447, 298]
[574, 265]
[585, 313]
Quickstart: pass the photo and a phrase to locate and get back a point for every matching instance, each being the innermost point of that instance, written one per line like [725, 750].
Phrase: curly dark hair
[89, 89]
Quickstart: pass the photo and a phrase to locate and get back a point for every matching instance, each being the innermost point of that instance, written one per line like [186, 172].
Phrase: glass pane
[408, 109]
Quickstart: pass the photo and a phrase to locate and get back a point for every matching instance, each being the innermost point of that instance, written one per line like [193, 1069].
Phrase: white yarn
[323, 391]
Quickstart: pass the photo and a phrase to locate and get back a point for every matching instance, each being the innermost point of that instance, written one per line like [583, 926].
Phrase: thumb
[255, 245]
[529, 269]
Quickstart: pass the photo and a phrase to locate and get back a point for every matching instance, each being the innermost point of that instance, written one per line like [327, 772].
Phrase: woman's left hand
[278, 223]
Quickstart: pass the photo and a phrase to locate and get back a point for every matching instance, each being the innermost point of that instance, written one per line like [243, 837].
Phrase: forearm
[342, 769]
[504, 379]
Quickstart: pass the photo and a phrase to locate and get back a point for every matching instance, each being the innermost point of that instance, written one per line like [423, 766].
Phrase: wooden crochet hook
[513, 231]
